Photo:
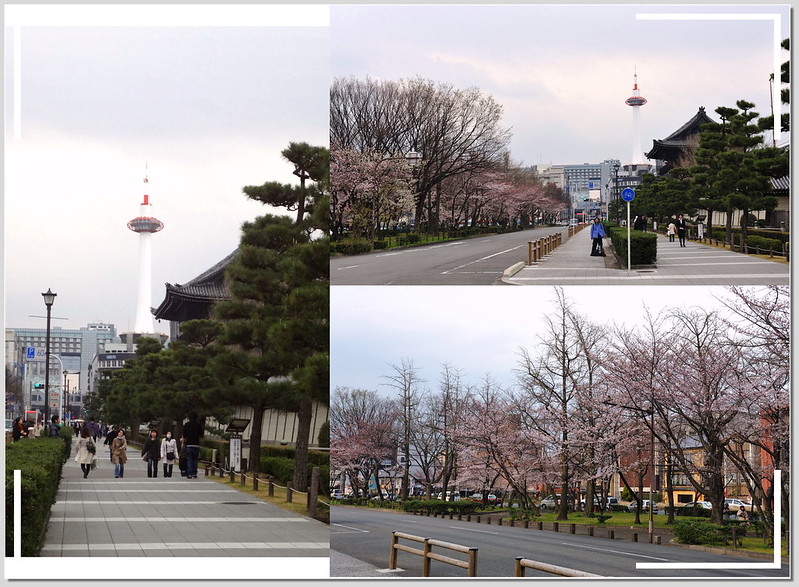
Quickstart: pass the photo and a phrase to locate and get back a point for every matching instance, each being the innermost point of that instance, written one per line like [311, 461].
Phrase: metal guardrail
[428, 555]
[526, 563]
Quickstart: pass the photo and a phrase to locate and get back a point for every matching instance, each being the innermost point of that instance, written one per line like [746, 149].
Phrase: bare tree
[405, 380]
[456, 131]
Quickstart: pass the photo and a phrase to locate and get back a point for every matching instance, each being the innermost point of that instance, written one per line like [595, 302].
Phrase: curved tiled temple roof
[194, 299]
[670, 148]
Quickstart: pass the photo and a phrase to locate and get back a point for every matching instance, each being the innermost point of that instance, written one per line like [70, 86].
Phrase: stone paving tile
[140, 517]
[695, 264]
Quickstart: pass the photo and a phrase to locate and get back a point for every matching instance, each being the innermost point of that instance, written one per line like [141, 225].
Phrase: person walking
[192, 431]
[671, 230]
[743, 517]
[85, 449]
[119, 454]
[682, 228]
[109, 438]
[597, 234]
[54, 427]
[169, 453]
[151, 452]
[18, 429]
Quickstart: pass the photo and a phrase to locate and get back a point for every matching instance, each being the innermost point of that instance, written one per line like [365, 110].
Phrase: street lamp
[616, 188]
[49, 298]
[64, 394]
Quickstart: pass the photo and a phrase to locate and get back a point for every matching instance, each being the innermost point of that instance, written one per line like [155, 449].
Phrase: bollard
[540, 525]
[529, 252]
[271, 488]
[289, 495]
[527, 523]
[488, 520]
[255, 481]
[232, 475]
[313, 492]
[555, 527]
[478, 519]
[206, 469]
[590, 530]
[611, 534]
[243, 479]
[572, 528]
[635, 536]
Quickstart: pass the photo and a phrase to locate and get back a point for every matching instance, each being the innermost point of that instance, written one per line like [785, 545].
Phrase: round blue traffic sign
[628, 194]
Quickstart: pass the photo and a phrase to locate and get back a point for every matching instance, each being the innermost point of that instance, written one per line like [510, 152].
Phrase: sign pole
[628, 236]
[628, 195]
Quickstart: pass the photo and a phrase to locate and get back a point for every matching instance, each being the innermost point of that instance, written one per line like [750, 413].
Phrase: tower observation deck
[636, 101]
[145, 224]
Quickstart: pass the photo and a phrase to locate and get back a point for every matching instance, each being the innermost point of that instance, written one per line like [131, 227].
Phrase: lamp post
[616, 188]
[49, 298]
[65, 395]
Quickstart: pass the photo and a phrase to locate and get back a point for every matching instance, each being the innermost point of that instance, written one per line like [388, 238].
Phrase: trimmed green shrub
[643, 246]
[380, 245]
[351, 246]
[280, 468]
[41, 461]
[324, 435]
[765, 245]
[700, 532]
[439, 506]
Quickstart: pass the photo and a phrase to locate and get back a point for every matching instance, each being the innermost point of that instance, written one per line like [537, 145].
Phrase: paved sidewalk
[694, 264]
[167, 517]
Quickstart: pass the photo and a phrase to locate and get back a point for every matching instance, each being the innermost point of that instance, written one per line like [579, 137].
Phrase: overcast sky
[477, 329]
[206, 108]
[563, 72]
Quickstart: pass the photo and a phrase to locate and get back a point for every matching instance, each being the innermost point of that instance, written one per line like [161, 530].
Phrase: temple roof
[672, 146]
[194, 299]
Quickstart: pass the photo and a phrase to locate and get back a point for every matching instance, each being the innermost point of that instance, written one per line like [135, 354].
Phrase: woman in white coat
[169, 453]
[85, 450]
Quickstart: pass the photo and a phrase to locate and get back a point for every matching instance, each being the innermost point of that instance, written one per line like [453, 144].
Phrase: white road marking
[625, 553]
[351, 528]
[481, 259]
[473, 530]
[348, 267]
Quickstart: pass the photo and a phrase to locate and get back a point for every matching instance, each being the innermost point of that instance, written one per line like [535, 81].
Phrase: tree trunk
[304, 417]
[254, 464]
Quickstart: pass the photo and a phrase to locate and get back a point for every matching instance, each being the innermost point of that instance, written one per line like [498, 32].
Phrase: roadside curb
[728, 551]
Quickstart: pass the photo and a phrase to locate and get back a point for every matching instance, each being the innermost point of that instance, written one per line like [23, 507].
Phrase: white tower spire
[636, 101]
[145, 224]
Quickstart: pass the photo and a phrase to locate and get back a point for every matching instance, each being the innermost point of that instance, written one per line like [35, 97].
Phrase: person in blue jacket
[597, 234]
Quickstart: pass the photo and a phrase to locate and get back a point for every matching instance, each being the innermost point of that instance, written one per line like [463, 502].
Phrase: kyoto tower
[636, 101]
[145, 224]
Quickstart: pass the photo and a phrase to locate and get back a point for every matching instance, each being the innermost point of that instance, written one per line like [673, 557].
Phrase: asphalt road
[477, 261]
[361, 539]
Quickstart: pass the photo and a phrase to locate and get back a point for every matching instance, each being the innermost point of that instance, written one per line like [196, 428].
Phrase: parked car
[735, 505]
[609, 502]
[644, 506]
[548, 503]
[490, 498]
[695, 508]
[337, 494]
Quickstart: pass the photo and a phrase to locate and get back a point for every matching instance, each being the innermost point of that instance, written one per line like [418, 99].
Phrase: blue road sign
[30, 352]
[628, 194]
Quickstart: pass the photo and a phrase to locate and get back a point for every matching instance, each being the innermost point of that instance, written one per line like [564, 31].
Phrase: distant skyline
[478, 330]
[563, 75]
[202, 100]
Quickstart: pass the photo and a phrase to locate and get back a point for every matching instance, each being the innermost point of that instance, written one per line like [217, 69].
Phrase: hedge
[643, 245]
[41, 461]
[351, 246]
[764, 244]
[438, 506]
[282, 469]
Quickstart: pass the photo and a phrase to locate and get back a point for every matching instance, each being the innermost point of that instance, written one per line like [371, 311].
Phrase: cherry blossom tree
[363, 434]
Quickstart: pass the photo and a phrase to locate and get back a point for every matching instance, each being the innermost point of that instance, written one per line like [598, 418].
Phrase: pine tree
[274, 346]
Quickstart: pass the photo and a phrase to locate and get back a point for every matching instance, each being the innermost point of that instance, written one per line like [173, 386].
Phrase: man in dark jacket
[192, 431]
